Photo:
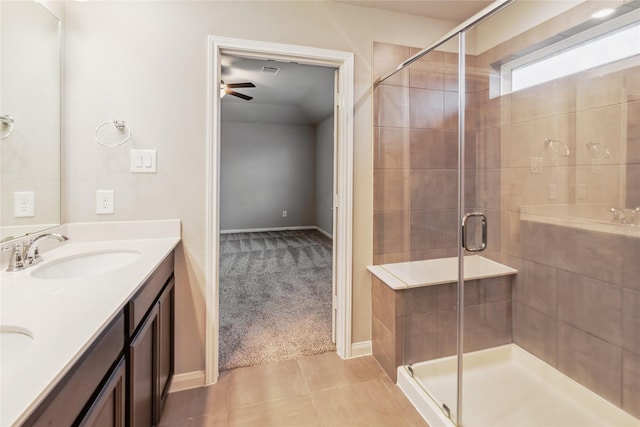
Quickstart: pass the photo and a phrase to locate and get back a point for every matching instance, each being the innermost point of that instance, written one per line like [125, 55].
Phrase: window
[609, 42]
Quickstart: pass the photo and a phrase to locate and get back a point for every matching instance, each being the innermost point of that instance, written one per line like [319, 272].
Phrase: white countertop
[65, 316]
[403, 275]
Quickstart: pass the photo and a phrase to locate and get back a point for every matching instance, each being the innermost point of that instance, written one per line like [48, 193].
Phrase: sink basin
[85, 265]
[14, 342]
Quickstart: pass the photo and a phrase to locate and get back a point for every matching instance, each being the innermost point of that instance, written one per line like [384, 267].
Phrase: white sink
[14, 342]
[86, 264]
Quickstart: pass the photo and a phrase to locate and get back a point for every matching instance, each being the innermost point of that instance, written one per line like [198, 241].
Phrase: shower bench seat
[414, 309]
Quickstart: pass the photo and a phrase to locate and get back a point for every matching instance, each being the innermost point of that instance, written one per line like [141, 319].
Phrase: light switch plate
[143, 161]
[23, 204]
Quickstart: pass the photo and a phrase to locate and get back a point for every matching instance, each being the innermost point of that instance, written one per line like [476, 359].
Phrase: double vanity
[87, 334]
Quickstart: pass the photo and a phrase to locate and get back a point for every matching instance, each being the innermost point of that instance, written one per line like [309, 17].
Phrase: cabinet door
[142, 374]
[166, 307]
[109, 408]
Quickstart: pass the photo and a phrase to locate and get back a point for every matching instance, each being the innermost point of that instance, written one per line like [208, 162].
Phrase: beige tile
[367, 403]
[389, 233]
[393, 106]
[201, 421]
[427, 149]
[294, 411]
[594, 363]
[426, 189]
[447, 329]
[488, 148]
[212, 401]
[386, 303]
[451, 71]
[410, 413]
[493, 326]
[428, 71]
[631, 383]
[427, 109]
[389, 190]
[535, 286]
[420, 300]
[426, 230]
[534, 241]
[592, 254]
[631, 320]
[603, 89]
[265, 383]
[392, 148]
[328, 370]
[386, 57]
[590, 305]
[387, 346]
[494, 289]
[630, 265]
[535, 332]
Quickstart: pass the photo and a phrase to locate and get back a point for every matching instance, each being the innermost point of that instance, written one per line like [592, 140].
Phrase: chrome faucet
[28, 254]
[635, 215]
[618, 216]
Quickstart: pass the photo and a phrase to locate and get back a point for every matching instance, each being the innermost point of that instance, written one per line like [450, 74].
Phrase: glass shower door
[430, 315]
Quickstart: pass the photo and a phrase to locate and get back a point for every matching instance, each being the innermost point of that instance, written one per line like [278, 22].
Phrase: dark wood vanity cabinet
[150, 351]
[124, 377]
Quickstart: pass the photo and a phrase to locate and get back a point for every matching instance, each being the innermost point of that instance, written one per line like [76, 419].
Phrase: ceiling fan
[227, 88]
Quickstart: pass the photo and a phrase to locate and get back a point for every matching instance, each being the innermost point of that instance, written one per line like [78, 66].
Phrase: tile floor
[320, 390]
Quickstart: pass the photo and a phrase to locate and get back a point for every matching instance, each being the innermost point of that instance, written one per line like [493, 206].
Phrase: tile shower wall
[418, 324]
[576, 302]
[576, 297]
[415, 155]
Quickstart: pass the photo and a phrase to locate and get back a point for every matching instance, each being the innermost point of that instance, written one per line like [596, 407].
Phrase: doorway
[342, 197]
[275, 271]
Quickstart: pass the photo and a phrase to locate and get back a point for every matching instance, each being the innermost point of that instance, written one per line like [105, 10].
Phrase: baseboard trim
[260, 230]
[187, 380]
[326, 233]
[362, 348]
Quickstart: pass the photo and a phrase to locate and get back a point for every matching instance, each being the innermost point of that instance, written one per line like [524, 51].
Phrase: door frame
[343, 199]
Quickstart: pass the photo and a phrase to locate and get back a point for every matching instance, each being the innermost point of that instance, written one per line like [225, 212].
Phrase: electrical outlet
[536, 165]
[23, 204]
[284, 214]
[105, 202]
[581, 192]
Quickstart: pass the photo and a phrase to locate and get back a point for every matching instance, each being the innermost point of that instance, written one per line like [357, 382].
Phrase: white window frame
[569, 44]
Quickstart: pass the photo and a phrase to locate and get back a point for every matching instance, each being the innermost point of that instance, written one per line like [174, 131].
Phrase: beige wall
[146, 63]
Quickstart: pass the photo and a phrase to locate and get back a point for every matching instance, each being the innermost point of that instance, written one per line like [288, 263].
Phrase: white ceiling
[448, 10]
[298, 94]
[303, 94]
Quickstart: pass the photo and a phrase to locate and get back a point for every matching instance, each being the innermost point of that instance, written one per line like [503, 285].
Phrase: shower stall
[506, 285]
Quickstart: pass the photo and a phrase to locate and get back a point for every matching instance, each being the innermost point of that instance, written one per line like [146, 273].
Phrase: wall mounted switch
[105, 203]
[23, 204]
[143, 161]
[553, 191]
[536, 165]
[284, 214]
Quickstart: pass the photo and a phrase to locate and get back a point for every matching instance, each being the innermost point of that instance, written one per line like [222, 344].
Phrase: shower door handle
[483, 222]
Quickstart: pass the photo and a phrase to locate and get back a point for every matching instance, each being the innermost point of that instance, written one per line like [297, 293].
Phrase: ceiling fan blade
[239, 95]
[236, 85]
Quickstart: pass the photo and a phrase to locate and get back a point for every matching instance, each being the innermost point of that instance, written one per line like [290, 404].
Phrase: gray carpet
[275, 297]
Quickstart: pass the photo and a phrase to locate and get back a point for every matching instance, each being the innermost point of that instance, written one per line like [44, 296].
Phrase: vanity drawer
[67, 400]
[141, 303]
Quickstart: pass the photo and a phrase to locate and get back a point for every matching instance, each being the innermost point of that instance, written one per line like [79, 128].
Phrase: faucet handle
[635, 214]
[16, 260]
[616, 214]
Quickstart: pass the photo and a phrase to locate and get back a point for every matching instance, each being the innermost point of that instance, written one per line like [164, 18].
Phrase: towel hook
[7, 121]
[121, 125]
[558, 148]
